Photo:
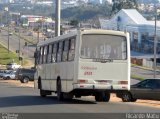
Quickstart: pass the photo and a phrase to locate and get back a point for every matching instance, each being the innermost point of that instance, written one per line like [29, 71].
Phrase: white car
[2, 72]
[13, 66]
[9, 75]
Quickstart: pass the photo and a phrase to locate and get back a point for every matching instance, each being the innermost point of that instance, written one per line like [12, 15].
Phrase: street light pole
[7, 19]
[8, 28]
[155, 42]
[58, 17]
[19, 45]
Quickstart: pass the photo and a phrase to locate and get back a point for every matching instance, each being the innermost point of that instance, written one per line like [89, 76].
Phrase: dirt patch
[113, 98]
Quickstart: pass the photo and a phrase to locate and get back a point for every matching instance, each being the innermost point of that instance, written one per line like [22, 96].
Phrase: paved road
[23, 99]
[145, 73]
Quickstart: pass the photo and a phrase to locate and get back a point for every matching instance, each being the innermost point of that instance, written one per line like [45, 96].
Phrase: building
[68, 4]
[141, 31]
[34, 21]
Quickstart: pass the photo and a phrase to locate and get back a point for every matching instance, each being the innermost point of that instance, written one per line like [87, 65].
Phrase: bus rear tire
[102, 97]
[59, 91]
[42, 93]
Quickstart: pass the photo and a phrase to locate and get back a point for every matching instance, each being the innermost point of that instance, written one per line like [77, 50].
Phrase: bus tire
[42, 93]
[98, 97]
[59, 90]
[39, 83]
[102, 97]
[106, 96]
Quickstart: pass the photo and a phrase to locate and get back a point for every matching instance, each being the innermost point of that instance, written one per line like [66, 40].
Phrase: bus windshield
[100, 46]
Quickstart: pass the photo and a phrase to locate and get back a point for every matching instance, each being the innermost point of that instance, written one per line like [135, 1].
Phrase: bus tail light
[122, 82]
[82, 81]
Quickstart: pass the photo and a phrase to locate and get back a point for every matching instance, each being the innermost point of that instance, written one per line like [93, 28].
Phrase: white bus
[82, 63]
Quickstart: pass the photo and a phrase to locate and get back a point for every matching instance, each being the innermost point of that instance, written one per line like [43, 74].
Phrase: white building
[34, 21]
[141, 31]
[68, 4]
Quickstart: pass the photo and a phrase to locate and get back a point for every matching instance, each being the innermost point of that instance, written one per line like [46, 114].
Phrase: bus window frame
[41, 54]
[49, 53]
[65, 50]
[72, 51]
[59, 51]
[54, 52]
[126, 48]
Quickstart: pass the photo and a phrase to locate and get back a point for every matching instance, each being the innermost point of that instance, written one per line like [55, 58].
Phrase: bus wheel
[102, 97]
[59, 91]
[98, 97]
[42, 93]
[106, 96]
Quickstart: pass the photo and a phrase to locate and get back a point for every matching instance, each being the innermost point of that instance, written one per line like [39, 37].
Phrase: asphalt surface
[27, 100]
[144, 73]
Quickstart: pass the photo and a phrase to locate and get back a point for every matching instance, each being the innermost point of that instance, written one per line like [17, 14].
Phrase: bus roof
[82, 31]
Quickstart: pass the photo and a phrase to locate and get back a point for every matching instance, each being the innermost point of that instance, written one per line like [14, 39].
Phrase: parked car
[147, 89]
[2, 72]
[10, 33]
[13, 66]
[25, 75]
[9, 75]
[2, 25]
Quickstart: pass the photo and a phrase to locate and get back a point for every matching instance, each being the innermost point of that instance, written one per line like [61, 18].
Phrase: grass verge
[6, 57]
[137, 77]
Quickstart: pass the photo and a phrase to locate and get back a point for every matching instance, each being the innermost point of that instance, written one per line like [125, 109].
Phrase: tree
[74, 22]
[123, 4]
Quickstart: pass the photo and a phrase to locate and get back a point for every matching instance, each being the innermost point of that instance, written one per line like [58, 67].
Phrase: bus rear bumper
[91, 86]
[101, 87]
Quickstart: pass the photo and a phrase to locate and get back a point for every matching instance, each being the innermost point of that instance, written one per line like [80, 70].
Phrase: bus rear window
[104, 47]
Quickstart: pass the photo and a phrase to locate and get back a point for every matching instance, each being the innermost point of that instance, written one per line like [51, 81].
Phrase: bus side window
[65, 50]
[41, 55]
[37, 56]
[45, 54]
[49, 58]
[54, 52]
[59, 54]
[72, 49]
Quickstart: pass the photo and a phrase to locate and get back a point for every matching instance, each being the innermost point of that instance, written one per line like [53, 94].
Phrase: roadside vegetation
[6, 57]
[137, 77]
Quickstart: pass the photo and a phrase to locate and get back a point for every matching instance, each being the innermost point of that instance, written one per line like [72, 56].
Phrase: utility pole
[155, 42]
[7, 10]
[58, 18]
[36, 52]
[19, 53]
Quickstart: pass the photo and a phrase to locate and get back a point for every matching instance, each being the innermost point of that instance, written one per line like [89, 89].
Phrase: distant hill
[86, 12]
